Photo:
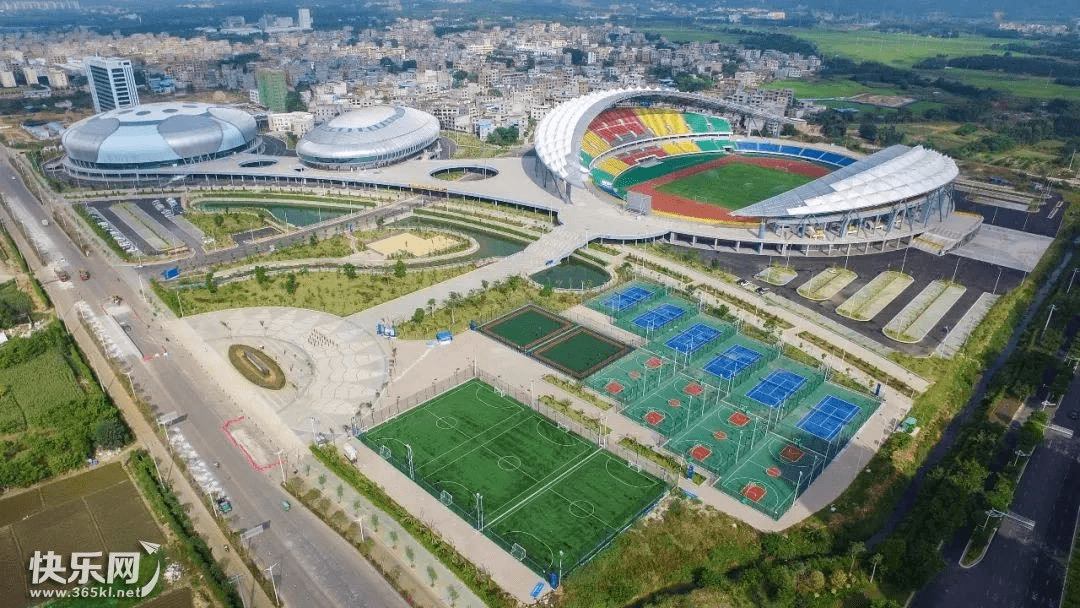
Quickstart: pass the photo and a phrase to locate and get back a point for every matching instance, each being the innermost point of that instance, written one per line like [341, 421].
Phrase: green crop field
[98, 510]
[734, 186]
[896, 49]
[543, 490]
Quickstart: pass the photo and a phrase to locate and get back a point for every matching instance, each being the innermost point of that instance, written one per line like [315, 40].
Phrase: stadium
[677, 155]
[129, 144]
[370, 137]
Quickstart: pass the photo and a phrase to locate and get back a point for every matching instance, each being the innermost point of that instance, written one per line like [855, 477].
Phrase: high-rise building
[112, 83]
[303, 20]
[7, 79]
[273, 90]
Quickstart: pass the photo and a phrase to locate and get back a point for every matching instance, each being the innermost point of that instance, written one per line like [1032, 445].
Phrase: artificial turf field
[580, 352]
[526, 327]
[735, 185]
[542, 488]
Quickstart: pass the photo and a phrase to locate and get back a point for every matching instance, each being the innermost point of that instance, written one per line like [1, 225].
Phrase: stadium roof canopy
[559, 133]
[892, 175]
[158, 133]
[372, 135]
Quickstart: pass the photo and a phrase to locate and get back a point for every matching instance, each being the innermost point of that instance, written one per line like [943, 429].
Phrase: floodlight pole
[1048, 317]
[270, 571]
[796, 494]
[560, 565]
[282, 460]
[1071, 280]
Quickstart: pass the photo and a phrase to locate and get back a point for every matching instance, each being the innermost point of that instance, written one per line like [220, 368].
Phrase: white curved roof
[558, 135]
[891, 175]
[158, 132]
[378, 131]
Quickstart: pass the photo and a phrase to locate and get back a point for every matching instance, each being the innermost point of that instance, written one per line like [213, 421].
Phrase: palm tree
[875, 560]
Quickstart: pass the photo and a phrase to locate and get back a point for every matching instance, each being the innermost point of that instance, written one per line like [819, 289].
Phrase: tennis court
[828, 417]
[775, 388]
[542, 490]
[526, 327]
[580, 352]
[659, 317]
[732, 362]
[627, 298]
[693, 338]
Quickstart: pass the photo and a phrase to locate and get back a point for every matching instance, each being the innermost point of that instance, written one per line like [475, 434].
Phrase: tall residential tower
[112, 83]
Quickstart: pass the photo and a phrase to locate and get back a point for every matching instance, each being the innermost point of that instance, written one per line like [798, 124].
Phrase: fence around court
[470, 513]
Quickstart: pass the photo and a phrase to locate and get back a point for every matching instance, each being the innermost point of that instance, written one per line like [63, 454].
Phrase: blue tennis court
[659, 316]
[732, 361]
[692, 339]
[628, 298]
[828, 417]
[775, 388]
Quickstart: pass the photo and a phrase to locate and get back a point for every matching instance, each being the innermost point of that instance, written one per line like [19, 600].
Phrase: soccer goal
[498, 391]
[384, 451]
[446, 498]
[518, 552]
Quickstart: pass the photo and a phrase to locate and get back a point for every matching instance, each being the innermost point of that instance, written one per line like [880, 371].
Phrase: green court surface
[630, 377]
[735, 185]
[542, 489]
[526, 327]
[778, 469]
[720, 439]
[580, 352]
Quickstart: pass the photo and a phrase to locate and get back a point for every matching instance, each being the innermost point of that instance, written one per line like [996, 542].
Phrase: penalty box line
[542, 489]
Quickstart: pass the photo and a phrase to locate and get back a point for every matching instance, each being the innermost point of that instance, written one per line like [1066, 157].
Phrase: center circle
[582, 509]
[509, 463]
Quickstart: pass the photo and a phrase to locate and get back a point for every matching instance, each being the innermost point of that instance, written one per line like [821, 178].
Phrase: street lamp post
[270, 571]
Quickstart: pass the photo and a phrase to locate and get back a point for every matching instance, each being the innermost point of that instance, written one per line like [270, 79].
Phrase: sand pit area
[408, 242]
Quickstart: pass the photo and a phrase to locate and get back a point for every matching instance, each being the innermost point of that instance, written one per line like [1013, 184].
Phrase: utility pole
[270, 571]
[1071, 280]
[1052, 306]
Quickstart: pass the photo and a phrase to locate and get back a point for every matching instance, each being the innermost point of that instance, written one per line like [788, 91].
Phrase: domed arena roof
[368, 137]
[159, 133]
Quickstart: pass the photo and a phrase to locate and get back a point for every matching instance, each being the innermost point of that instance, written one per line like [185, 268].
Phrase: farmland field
[52, 418]
[98, 510]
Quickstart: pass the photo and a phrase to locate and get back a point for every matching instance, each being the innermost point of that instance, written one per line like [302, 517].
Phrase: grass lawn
[470, 146]
[231, 223]
[326, 291]
[1017, 85]
[691, 34]
[734, 186]
[828, 88]
[543, 489]
[895, 49]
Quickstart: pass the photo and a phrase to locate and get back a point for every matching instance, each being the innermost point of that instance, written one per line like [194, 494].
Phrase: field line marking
[528, 498]
[468, 437]
[513, 417]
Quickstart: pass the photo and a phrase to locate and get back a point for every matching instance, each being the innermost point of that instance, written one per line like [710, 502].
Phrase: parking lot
[147, 226]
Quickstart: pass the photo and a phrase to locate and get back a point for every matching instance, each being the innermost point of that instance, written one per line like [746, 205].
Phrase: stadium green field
[580, 352]
[543, 491]
[526, 327]
[735, 185]
[638, 174]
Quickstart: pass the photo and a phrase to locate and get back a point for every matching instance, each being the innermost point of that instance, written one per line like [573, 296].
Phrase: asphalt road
[314, 567]
[1022, 567]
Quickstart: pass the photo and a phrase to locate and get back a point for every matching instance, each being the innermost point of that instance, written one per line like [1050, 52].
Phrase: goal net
[446, 498]
[384, 451]
[500, 392]
[518, 552]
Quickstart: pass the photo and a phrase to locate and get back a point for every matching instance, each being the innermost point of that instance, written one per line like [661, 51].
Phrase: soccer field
[535, 489]
[734, 186]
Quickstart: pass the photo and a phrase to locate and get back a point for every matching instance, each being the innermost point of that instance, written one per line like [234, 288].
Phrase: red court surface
[772, 472]
[654, 418]
[753, 491]
[719, 435]
[670, 204]
[694, 389]
[674, 402]
[792, 453]
[739, 419]
[634, 375]
[654, 362]
[613, 388]
[700, 452]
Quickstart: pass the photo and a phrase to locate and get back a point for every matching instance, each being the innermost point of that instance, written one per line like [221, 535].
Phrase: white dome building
[121, 144]
[368, 137]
